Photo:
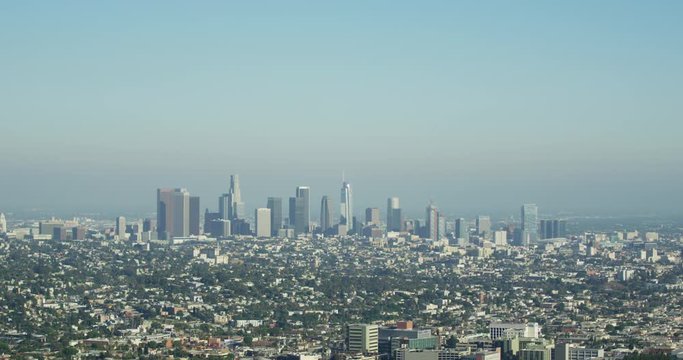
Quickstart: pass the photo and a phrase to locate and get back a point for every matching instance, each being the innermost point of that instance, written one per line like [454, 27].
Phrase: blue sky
[478, 105]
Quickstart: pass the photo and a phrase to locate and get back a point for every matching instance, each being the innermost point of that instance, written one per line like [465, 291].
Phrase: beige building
[362, 338]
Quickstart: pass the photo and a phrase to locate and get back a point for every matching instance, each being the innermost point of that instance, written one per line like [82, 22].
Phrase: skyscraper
[120, 227]
[432, 222]
[275, 206]
[263, 228]
[3, 223]
[292, 212]
[149, 225]
[236, 210]
[529, 224]
[483, 226]
[302, 209]
[346, 215]
[394, 219]
[209, 222]
[461, 230]
[442, 226]
[225, 206]
[194, 215]
[325, 214]
[173, 213]
[181, 213]
[372, 216]
[551, 229]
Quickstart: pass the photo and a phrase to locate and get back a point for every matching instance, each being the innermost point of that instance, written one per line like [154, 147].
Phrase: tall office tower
[529, 224]
[442, 226]
[302, 213]
[461, 230]
[432, 222]
[3, 223]
[209, 218]
[500, 238]
[325, 214]
[292, 212]
[225, 206]
[121, 227]
[275, 206]
[551, 229]
[181, 213]
[362, 338]
[173, 213]
[394, 220]
[236, 210]
[194, 215]
[78, 233]
[46, 227]
[483, 226]
[149, 225]
[372, 216]
[346, 206]
[263, 228]
[59, 233]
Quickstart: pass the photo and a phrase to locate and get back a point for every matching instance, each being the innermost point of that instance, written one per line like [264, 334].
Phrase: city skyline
[415, 209]
[356, 180]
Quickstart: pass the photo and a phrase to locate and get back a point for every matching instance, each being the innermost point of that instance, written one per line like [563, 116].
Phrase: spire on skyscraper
[346, 216]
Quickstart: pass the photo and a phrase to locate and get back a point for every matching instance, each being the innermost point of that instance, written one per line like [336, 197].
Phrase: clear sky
[478, 105]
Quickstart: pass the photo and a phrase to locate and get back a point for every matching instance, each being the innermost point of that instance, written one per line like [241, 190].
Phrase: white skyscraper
[263, 225]
[236, 210]
[3, 223]
[346, 216]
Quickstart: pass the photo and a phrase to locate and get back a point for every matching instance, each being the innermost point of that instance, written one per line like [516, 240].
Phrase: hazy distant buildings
[442, 226]
[484, 226]
[551, 229]
[59, 233]
[220, 227]
[275, 206]
[462, 232]
[372, 216]
[500, 238]
[78, 233]
[432, 222]
[529, 224]
[299, 210]
[346, 206]
[210, 225]
[120, 228]
[263, 225]
[224, 206]
[194, 215]
[173, 213]
[149, 225]
[394, 217]
[3, 223]
[325, 214]
[236, 209]
[47, 227]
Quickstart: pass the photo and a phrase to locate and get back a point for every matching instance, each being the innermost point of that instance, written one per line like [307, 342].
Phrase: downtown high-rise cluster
[178, 216]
